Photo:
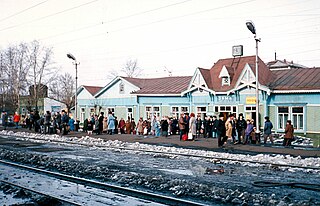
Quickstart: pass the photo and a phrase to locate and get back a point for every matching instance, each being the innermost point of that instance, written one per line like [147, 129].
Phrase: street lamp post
[70, 56]
[252, 28]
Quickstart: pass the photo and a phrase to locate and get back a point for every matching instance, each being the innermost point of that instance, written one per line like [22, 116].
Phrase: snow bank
[116, 144]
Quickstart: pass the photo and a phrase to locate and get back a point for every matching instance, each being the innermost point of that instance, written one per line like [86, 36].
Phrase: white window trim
[290, 117]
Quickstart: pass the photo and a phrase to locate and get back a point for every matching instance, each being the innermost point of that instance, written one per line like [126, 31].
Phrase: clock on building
[237, 50]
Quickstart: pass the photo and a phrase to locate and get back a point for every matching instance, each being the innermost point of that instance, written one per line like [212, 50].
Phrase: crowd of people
[238, 131]
[189, 127]
[98, 124]
[48, 123]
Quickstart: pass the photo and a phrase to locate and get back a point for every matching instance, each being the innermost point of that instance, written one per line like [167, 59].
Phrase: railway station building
[286, 91]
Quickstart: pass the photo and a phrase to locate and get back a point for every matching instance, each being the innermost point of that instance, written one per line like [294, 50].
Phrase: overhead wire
[117, 19]
[50, 15]
[22, 11]
[149, 23]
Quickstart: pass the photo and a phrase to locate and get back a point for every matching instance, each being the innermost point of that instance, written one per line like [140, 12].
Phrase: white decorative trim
[199, 87]
[157, 95]
[294, 91]
[111, 83]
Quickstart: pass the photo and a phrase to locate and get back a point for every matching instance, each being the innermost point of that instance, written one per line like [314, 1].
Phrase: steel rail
[189, 155]
[109, 187]
[59, 199]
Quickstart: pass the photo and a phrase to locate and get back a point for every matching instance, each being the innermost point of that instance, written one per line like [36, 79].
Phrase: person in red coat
[16, 119]
[122, 125]
[288, 134]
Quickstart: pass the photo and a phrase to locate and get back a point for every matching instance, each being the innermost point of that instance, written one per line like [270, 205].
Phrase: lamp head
[70, 56]
[251, 27]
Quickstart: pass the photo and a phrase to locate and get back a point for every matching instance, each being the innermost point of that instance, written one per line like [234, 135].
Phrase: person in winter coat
[16, 119]
[89, 126]
[47, 122]
[248, 131]
[165, 127]
[111, 124]
[122, 125]
[192, 126]
[157, 127]
[182, 126]
[85, 124]
[71, 124]
[267, 130]
[5, 120]
[128, 126]
[288, 134]
[206, 127]
[140, 126]
[214, 126]
[96, 124]
[105, 125]
[229, 127]
[241, 127]
[221, 131]
[133, 126]
[101, 118]
[198, 126]
[36, 118]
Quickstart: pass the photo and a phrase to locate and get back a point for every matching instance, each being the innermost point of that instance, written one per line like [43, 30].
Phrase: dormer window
[225, 81]
[225, 76]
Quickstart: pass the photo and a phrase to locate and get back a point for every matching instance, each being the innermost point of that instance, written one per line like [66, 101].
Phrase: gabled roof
[92, 89]
[296, 79]
[164, 85]
[279, 64]
[206, 75]
[235, 67]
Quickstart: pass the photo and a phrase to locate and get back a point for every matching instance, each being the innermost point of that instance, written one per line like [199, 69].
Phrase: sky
[166, 37]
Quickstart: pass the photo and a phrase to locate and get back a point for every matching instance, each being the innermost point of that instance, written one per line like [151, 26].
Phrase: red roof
[235, 67]
[92, 89]
[296, 79]
[164, 85]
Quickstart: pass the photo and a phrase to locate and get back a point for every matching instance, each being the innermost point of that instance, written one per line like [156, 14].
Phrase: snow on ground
[86, 140]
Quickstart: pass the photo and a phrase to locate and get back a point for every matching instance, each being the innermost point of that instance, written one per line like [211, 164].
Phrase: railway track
[187, 155]
[156, 199]
[54, 200]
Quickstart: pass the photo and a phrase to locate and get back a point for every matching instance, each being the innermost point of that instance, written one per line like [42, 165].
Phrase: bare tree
[113, 73]
[14, 72]
[41, 70]
[131, 68]
[62, 88]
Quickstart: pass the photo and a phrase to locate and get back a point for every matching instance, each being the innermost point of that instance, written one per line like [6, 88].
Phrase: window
[129, 112]
[226, 109]
[121, 88]
[150, 111]
[283, 115]
[295, 114]
[202, 111]
[110, 109]
[297, 117]
[250, 108]
[175, 112]
[185, 109]
[225, 81]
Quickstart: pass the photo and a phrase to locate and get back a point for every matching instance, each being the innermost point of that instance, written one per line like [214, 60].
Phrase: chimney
[275, 55]
[285, 61]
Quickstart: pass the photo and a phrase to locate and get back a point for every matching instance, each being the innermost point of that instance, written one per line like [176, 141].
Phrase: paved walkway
[201, 143]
